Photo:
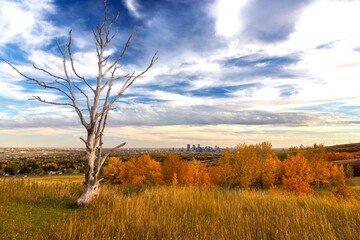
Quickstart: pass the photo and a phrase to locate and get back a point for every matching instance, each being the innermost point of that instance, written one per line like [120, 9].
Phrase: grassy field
[74, 178]
[39, 208]
[355, 183]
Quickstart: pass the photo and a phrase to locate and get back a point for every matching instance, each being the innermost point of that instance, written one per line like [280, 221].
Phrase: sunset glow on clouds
[228, 72]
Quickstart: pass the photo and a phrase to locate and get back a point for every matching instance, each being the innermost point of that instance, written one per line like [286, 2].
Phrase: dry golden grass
[78, 178]
[41, 211]
[354, 183]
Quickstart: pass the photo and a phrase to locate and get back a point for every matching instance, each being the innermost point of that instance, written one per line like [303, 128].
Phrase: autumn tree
[270, 172]
[320, 170]
[244, 166]
[182, 169]
[223, 172]
[98, 94]
[113, 169]
[200, 174]
[141, 170]
[171, 169]
[297, 175]
[338, 182]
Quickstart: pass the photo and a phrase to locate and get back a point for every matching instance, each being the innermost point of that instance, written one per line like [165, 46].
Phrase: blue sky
[228, 72]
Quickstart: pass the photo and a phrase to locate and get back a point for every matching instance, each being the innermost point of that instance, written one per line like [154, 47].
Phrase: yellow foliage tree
[320, 169]
[270, 172]
[142, 170]
[224, 171]
[297, 175]
[246, 165]
[338, 182]
[201, 175]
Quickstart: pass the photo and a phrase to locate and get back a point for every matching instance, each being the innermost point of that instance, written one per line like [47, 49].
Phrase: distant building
[199, 149]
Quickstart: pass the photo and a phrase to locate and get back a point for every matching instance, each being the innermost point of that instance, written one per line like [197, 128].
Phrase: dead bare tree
[98, 103]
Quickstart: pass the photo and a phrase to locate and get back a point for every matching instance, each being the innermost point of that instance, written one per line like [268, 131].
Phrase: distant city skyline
[229, 72]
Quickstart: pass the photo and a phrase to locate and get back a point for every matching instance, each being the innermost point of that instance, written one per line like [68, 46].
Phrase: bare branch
[86, 144]
[85, 95]
[47, 72]
[36, 81]
[98, 167]
[49, 102]
[59, 48]
[122, 53]
[68, 45]
[104, 61]
[113, 78]
[131, 80]
[113, 21]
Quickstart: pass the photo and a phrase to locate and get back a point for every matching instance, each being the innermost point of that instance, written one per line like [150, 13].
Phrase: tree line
[253, 166]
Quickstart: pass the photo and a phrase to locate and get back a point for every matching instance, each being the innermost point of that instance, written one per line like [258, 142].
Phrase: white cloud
[326, 35]
[24, 22]
[326, 21]
[12, 91]
[133, 7]
[227, 14]
[8, 74]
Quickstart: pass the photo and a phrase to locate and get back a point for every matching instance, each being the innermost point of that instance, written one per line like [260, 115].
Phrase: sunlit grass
[74, 178]
[355, 183]
[41, 210]
[28, 208]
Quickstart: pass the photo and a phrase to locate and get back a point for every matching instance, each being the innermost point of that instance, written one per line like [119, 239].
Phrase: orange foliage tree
[113, 169]
[297, 175]
[178, 172]
[141, 170]
[170, 168]
[333, 156]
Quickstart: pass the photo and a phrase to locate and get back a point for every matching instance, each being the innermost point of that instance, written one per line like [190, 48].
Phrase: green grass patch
[29, 208]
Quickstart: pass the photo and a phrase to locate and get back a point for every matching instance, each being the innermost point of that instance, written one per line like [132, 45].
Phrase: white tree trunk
[99, 109]
[90, 191]
[91, 183]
